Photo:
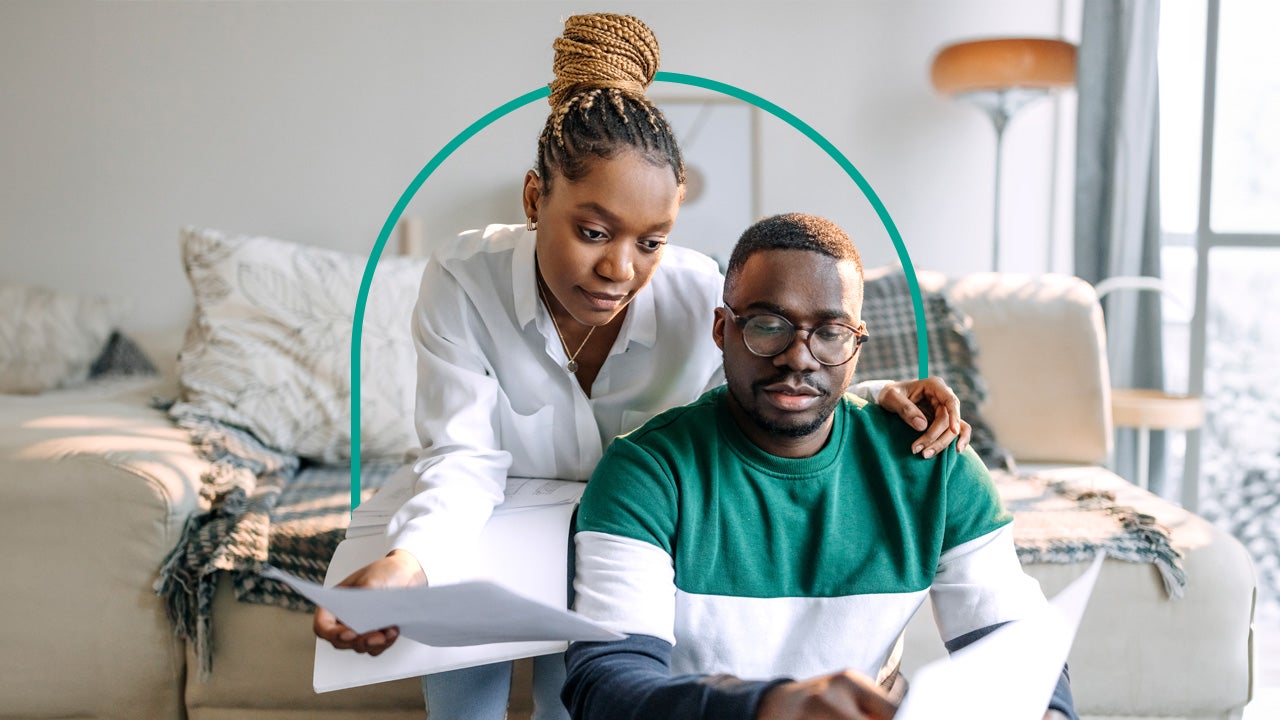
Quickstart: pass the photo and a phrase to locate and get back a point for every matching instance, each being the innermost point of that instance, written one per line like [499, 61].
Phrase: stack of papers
[371, 516]
[512, 604]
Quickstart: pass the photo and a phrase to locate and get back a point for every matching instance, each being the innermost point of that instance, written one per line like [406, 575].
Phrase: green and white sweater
[692, 539]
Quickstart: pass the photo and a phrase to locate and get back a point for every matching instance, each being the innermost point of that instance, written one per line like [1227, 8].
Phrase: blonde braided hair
[603, 51]
[603, 64]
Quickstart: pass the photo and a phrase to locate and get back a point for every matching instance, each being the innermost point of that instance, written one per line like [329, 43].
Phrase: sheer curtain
[1117, 201]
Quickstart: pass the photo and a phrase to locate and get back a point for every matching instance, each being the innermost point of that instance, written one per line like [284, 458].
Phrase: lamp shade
[1000, 76]
[1004, 63]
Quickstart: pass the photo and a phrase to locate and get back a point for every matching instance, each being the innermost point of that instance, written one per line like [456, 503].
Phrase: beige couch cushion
[272, 681]
[96, 489]
[1042, 351]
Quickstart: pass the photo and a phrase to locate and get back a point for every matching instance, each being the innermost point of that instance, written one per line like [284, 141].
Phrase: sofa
[97, 484]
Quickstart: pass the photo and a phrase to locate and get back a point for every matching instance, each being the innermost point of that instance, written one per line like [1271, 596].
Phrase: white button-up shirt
[493, 395]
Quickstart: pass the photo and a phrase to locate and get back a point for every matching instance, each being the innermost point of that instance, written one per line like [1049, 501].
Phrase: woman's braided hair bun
[603, 50]
[603, 63]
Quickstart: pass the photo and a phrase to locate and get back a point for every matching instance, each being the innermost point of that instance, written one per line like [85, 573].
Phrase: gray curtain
[1117, 202]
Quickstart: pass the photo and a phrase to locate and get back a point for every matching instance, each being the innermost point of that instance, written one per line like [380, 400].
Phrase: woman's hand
[918, 402]
[397, 569]
[844, 695]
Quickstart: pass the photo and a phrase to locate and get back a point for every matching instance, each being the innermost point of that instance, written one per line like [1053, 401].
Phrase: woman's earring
[531, 224]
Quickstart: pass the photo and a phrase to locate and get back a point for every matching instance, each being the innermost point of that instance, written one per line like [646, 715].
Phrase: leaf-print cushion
[49, 338]
[269, 346]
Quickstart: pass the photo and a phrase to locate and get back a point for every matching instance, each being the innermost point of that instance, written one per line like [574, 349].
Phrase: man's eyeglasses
[767, 335]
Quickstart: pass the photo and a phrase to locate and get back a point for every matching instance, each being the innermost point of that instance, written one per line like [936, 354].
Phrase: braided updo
[603, 63]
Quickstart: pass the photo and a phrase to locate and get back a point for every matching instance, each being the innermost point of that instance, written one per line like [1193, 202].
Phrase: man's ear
[719, 318]
[532, 193]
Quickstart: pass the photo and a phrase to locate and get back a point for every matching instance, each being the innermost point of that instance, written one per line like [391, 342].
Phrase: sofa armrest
[1139, 653]
[95, 487]
[1042, 352]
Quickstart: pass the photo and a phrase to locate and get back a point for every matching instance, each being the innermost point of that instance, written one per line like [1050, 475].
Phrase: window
[1181, 72]
[1220, 217]
[1246, 142]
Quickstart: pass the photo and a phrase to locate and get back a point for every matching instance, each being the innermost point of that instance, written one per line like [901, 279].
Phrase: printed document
[1009, 674]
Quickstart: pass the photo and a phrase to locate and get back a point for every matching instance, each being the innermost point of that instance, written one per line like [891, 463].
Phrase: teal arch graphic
[357, 326]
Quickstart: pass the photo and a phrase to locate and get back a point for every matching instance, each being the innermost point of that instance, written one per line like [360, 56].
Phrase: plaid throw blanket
[265, 507]
[1061, 521]
[268, 508]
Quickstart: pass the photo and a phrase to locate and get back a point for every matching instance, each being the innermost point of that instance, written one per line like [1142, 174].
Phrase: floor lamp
[1001, 76]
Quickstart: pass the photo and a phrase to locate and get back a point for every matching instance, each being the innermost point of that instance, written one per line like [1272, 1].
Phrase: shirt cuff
[870, 390]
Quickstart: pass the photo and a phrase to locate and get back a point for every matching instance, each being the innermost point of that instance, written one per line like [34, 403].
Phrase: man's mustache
[808, 379]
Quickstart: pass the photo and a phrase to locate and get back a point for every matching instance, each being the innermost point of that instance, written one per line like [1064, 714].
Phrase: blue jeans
[481, 693]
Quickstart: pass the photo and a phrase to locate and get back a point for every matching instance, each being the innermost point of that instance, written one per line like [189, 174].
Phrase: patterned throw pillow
[48, 339]
[891, 353]
[269, 347]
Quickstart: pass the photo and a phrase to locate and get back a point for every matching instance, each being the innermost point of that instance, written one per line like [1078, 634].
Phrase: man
[764, 547]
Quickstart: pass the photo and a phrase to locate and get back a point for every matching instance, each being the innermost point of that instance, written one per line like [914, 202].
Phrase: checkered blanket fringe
[1065, 522]
[264, 507]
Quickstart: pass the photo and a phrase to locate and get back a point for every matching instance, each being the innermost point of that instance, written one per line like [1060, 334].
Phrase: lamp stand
[1000, 106]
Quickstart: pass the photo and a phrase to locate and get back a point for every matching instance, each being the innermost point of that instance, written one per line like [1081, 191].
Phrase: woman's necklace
[572, 365]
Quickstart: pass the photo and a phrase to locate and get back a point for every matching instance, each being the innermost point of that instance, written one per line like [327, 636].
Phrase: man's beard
[797, 428]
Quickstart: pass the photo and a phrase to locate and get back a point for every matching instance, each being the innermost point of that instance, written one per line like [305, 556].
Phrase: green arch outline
[357, 323]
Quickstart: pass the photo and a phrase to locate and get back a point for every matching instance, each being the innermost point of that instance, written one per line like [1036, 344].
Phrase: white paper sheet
[469, 613]
[1009, 674]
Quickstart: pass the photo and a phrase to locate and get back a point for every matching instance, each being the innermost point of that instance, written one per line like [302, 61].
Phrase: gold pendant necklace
[572, 365]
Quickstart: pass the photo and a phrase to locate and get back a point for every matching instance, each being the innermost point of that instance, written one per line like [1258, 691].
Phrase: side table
[1148, 410]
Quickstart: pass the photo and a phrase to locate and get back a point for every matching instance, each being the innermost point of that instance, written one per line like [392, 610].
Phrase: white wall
[121, 122]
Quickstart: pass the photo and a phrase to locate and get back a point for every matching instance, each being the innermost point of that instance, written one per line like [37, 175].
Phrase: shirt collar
[524, 285]
[642, 317]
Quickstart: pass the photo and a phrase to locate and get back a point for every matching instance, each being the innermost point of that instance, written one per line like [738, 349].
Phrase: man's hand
[841, 696]
[397, 569]
[919, 401]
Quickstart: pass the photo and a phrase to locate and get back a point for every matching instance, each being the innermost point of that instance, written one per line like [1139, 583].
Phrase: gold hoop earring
[531, 225]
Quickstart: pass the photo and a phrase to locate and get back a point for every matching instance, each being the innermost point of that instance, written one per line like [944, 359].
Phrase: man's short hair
[791, 231]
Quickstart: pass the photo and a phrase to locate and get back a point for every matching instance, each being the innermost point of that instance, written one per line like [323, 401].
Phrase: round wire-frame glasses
[768, 335]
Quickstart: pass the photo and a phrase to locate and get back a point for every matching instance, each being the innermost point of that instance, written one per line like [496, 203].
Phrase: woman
[538, 344]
